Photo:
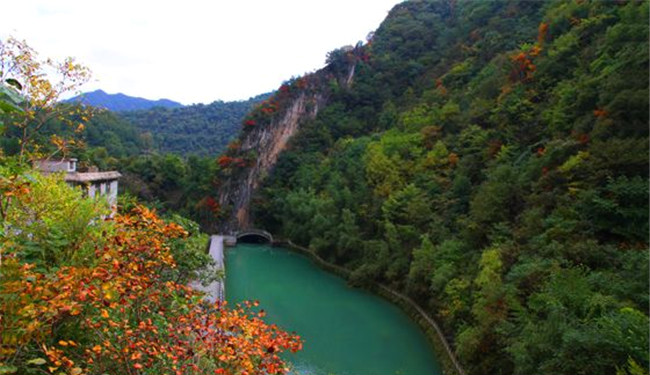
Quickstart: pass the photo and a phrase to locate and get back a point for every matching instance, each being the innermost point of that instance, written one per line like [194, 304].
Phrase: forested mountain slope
[166, 156]
[202, 129]
[490, 159]
[199, 129]
[121, 102]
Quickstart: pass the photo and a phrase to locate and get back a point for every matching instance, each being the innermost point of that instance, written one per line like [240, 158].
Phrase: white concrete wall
[112, 194]
[92, 190]
[106, 190]
[72, 165]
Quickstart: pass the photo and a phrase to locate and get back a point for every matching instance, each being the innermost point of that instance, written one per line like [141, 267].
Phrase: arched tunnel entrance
[254, 236]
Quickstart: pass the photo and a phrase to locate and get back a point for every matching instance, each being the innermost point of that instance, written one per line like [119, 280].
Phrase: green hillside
[202, 129]
[491, 161]
[120, 102]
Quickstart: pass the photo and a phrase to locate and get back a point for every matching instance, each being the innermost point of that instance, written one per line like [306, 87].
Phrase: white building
[96, 183]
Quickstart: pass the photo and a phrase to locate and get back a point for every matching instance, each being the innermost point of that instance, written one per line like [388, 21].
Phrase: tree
[9, 99]
[24, 74]
[422, 266]
[481, 341]
[111, 297]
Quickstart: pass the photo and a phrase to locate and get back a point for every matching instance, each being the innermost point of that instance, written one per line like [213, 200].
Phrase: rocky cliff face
[267, 142]
[268, 129]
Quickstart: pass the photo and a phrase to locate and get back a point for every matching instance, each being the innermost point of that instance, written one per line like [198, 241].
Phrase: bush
[80, 295]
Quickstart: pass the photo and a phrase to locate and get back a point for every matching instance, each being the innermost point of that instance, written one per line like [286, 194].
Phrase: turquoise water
[345, 331]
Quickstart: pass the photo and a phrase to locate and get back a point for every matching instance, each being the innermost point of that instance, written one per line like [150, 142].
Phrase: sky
[192, 51]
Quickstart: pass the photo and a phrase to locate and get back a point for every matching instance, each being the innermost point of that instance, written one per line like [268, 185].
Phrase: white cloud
[192, 51]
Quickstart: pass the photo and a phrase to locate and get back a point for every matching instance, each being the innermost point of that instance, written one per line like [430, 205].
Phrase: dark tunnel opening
[253, 238]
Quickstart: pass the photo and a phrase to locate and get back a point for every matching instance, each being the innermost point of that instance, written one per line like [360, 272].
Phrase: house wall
[91, 190]
[50, 166]
[105, 189]
[112, 194]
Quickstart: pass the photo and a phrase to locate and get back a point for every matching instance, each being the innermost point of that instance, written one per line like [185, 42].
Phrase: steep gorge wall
[269, 127]
[267, 142]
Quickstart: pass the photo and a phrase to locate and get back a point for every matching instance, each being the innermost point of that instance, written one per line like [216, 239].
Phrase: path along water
[346, 331]
[215, 291]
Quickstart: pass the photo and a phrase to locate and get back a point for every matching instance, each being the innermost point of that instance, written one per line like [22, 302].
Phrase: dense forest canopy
[166, 156]
[490, 160]
[200, 129]
[120, 102]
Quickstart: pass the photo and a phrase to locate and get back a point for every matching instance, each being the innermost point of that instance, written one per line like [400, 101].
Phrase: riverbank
[344, 330]
[215, 291]
[431, 329]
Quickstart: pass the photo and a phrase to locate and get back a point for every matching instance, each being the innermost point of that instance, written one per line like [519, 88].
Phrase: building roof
[92, 176]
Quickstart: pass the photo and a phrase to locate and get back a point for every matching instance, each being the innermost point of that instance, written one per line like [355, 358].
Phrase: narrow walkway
[215, 291]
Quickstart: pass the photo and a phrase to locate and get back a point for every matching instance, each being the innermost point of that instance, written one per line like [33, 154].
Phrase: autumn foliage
[126, 309]
[211, 204]
[523, 67]
[226, 161]
[41, 83]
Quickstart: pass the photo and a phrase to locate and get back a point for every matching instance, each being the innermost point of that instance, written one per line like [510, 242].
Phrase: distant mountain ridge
[121, 102]
[202, 129]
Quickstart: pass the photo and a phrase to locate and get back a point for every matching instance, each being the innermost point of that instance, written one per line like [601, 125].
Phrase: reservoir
[345, 331]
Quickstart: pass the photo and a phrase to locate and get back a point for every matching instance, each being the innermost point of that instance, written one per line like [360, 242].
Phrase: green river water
[345, 331]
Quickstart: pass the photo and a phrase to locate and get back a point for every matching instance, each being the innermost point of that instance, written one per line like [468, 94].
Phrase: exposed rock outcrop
[267, 142]
[268, 129]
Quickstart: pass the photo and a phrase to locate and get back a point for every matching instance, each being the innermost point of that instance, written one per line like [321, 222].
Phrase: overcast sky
[192, 51]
